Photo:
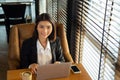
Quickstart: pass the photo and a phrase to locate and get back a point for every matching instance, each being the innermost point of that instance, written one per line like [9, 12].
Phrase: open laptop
[53, 71]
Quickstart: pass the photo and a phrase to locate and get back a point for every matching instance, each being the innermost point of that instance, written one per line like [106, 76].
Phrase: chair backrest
[14, 10]
[2, 17]
[14, 14]
[20, 32]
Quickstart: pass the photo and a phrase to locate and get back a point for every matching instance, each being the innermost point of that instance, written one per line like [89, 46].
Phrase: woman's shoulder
[57, 40]
[28, 41]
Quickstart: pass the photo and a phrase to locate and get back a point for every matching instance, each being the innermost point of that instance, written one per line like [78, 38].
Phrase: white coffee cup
[27, 75]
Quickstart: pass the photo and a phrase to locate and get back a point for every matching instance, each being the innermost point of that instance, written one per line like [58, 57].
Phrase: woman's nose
[45, 30]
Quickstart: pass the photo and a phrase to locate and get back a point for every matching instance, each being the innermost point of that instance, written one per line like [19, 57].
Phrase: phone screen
[75, 69]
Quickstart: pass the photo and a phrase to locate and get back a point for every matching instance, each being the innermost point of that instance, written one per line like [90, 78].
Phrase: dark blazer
[28, 54]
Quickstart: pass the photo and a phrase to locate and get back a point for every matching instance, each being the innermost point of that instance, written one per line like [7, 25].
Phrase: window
[98, 24]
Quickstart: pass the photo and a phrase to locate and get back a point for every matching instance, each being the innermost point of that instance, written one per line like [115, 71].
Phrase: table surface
[15, 74]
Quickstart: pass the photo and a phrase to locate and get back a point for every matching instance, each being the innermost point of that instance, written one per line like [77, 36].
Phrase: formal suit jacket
[28, 54]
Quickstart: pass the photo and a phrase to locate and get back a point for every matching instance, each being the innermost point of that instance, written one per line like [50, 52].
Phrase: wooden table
[15, 74]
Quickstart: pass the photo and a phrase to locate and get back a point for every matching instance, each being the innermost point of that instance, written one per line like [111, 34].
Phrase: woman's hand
[33, 67]
[57, 62]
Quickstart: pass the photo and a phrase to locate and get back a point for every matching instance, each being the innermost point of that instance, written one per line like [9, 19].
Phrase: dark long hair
[45, 17]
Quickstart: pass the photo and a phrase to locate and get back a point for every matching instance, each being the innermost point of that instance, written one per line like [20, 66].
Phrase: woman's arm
[24, 63]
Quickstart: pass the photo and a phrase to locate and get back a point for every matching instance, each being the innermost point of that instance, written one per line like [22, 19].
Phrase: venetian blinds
[58, 10]
[99, 20]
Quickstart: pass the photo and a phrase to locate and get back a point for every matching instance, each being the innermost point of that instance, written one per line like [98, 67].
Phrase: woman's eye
[41, 26]
[48, 27]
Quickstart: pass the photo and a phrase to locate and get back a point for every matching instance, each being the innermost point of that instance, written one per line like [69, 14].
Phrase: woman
[43, 47]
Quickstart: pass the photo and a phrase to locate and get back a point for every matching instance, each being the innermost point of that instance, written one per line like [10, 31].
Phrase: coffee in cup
[27, 75]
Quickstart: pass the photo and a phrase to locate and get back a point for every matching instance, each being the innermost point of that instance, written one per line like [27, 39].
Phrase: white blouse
[44, 56]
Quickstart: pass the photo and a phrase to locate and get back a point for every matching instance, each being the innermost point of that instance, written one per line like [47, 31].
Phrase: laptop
[51, 71]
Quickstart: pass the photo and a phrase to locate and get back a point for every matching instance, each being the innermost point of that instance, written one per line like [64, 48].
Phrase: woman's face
[44, 29]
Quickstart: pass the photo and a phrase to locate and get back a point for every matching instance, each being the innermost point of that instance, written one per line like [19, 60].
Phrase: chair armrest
[13, 52]
[68, 57]
[63, 39]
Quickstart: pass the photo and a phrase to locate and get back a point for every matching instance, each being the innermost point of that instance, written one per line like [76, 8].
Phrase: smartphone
[75, 69]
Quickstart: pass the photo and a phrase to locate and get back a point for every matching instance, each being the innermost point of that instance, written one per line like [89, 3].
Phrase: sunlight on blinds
[99, 22]
[91, 58]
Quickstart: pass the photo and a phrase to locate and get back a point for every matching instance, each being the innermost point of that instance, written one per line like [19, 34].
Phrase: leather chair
[14, 14]
[20, 32]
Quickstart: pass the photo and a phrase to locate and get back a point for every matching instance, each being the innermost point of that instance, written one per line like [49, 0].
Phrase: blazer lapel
[34, 52]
